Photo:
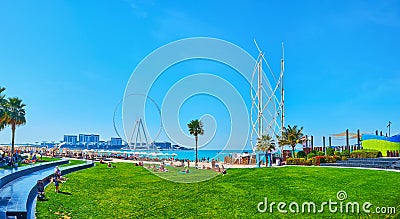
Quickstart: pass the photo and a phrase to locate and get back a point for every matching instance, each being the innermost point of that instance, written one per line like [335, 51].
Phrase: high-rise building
[116, 142]
[70, 139]
[89, 139]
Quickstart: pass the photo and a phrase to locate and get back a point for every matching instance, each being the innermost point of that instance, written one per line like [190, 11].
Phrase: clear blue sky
[70, 60]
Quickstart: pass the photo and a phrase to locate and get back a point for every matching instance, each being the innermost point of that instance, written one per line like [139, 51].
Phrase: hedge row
[366, 153]
[316, 160]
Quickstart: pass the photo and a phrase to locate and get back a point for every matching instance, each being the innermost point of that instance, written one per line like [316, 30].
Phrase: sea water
[186, 154]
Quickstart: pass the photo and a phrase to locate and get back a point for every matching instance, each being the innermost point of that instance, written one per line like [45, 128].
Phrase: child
[56, 183]
[57, 172]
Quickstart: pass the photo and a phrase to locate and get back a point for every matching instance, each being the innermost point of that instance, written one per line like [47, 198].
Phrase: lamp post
[312, 142]
[347, 139]
[390, 123]
[307, 144]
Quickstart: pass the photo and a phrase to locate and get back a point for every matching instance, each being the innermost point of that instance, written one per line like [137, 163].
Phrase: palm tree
[292, 136]
[15, 116]
[196, 129]
[2, 109]
[281, 142]
[265, 143]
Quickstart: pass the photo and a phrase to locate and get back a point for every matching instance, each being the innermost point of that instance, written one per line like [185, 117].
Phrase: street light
[390, 123]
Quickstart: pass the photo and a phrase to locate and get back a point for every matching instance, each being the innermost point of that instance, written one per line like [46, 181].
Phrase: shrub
[314, 161]
[290, 161]
[320, 153]
[321, 159]
[308, 162]
[330, 151]
[296, 161]
[330, 159]
[301, 154]
[310, 155]
[318, 159]
[345, 153]
[365, 153]
[337, 153]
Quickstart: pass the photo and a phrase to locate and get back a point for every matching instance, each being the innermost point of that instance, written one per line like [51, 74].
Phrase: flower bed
[316, 160]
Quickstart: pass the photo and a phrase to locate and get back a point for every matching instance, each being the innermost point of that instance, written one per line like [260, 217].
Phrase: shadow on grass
[42, 199]
[65, 193]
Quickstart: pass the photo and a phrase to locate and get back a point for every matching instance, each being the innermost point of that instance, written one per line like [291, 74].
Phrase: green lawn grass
[44, 159]
[175, 174]
[48, 159]
[73, 162]
[128, 191]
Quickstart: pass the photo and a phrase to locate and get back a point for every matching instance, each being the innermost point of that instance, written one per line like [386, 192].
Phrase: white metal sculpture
[267, 100]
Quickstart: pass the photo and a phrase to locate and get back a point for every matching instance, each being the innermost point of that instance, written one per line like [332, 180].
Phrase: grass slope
[381, 145]
[133, 192]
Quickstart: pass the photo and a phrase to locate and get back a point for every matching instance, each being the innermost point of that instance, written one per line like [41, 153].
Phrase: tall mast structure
[267, 95]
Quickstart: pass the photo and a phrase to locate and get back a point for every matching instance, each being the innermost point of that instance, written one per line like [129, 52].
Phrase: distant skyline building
[116, 142]
[89, 139]
[92, 141]
[71, 139]
[163, 145]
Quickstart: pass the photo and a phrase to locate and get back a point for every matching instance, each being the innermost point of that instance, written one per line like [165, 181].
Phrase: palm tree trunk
[12, 138]
[196, 137]
[293, 151]
[266, 159]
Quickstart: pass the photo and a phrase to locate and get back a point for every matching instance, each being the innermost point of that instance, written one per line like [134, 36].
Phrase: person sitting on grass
[109, 164]
[185, 170]
[162, 168]
[223, 170]
[155, 168]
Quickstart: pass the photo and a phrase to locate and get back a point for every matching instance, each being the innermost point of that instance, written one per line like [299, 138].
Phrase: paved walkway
[14, 195]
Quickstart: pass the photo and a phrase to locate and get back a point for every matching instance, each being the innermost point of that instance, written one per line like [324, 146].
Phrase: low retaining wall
[25, 171]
